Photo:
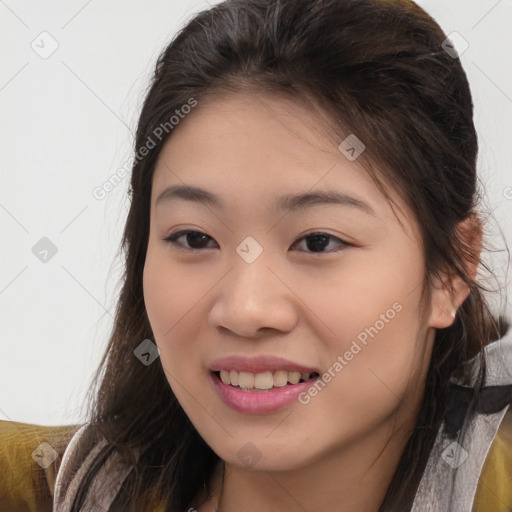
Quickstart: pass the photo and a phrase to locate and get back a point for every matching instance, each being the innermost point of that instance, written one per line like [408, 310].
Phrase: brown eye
[195, 239]
[316, 242]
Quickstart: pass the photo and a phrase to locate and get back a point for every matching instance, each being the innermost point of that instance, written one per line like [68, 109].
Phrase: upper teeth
[264, 380]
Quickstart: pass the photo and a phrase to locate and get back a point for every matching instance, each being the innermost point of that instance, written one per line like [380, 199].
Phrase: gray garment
[452, 466]
[76, 461]
[456, 465]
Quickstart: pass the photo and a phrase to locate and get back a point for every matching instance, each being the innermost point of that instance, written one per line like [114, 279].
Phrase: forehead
[252, 148]
[243, 122]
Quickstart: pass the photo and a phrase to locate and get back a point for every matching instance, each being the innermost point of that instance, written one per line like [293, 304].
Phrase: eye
[316, 242]
[192, 237]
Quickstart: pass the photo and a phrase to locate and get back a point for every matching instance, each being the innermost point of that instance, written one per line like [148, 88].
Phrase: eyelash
[172, 240]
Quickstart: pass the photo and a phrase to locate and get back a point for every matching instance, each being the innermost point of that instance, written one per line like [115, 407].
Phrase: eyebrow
[288, 203]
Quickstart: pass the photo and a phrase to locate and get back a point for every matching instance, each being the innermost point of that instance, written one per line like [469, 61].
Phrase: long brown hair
[377, 69]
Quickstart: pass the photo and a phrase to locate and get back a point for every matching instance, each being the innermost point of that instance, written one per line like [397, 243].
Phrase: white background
[68, 123]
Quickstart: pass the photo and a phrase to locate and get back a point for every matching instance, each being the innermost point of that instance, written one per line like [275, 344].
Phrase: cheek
[169, 294]
[369, 318]
[368, 289]
[172, 302]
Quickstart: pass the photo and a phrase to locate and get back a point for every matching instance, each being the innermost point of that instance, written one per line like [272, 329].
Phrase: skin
[340, 450]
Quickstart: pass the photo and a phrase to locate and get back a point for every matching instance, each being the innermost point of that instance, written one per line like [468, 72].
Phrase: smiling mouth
[263, 381]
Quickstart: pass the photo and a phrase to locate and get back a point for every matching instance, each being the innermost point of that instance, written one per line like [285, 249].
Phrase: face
[331, 288]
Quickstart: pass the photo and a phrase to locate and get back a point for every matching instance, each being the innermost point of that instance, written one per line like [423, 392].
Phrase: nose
[252, 299]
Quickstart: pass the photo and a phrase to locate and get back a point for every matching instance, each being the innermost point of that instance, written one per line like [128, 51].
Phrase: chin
[254, 455]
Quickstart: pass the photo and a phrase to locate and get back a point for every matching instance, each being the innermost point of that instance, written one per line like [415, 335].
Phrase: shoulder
[91, 465]
[30, 458]
[494, 491]
[471, 469]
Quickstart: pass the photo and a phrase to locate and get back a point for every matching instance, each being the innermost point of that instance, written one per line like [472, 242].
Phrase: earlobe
[444, 302]
[450, 291]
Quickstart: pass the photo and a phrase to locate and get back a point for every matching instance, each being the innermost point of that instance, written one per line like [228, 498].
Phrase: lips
[257, 401]
[259, 364]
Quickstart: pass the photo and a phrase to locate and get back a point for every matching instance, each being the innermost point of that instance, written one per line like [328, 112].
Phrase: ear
[450, 291]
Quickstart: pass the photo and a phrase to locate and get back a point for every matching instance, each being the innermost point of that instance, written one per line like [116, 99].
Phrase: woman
[300, 325]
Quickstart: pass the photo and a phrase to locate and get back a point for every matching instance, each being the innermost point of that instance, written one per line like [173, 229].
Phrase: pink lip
[253, 402]
[258, 364]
